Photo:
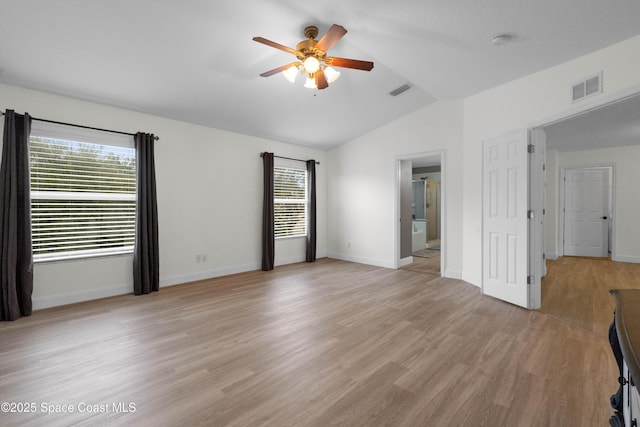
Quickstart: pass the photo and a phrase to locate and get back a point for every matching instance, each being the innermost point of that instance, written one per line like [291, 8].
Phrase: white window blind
[83, 198]
[290, 202]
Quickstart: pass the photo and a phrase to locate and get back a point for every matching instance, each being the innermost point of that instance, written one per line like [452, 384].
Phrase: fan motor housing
[307, 48]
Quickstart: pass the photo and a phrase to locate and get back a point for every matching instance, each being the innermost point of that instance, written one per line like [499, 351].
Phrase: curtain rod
[156, 138]
[289, 158]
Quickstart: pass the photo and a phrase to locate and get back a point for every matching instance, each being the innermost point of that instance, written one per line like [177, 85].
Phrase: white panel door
[504, 218]
[586, 212]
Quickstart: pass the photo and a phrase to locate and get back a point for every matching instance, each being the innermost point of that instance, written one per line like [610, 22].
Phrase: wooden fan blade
[274, 44]
[321, 80]
[351, 63]
[276, 70]
[335, 33]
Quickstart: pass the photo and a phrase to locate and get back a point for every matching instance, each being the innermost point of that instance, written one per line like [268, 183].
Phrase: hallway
[576, 290]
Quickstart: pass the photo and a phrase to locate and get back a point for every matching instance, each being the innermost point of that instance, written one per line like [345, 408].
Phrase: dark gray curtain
[311, 226]
[16, 254]
[146, 276]
[268, 232]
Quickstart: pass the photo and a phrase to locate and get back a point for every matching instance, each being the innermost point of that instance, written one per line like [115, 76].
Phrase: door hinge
[530, 214]
[544, 167]
[544, 211]
[544, 256]
[531, 149]
[529, 280]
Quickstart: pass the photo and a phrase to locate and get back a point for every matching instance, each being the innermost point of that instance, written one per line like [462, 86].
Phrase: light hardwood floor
[424, 265]
[576, 290]
[328, 343]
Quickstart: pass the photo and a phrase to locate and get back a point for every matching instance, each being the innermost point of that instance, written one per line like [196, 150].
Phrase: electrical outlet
[198, 258]
[204, 257]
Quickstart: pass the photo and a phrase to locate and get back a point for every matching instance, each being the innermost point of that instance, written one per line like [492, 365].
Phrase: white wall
[520, 104]
[200, 212]
[209, 201]
[362, 186]
[626, 233]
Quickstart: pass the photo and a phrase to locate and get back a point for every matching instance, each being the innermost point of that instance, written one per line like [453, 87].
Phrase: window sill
[300, 236]
[85, 257]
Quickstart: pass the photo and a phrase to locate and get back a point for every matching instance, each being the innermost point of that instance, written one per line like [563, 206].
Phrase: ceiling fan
[313, 60]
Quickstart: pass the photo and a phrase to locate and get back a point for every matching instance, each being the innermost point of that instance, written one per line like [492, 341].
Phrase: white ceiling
[613, 125]
[195, 60]
[427, 161]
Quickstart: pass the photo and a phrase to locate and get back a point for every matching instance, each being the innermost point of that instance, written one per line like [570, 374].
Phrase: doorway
[586, 206]
[605, 131]
[420, 218]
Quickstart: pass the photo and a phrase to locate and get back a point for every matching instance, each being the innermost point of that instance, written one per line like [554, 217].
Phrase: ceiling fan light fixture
[291, 73]
[312, 59]
[311, 64]
[311, 82]
[331, 74]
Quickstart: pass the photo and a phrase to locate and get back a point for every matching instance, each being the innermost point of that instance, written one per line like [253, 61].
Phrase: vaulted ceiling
[195, 60]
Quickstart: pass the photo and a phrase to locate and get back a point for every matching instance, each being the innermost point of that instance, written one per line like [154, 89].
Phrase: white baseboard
[453, 274]
[285, 261]
[616, 258]
[406, 261]
[626, 258]
[361, 260]
[208, 274]
[227, 271]
[92, 294]
[471, 280]
[74, 297]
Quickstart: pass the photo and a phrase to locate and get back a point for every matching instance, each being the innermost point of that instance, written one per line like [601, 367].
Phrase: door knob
[604, 217]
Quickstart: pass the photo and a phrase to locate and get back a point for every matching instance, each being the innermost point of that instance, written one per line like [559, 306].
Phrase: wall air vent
[397, 91]
[590, 86]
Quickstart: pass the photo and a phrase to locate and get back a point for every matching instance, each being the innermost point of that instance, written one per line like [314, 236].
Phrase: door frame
[561, 202]
[537, 267]
[591, 104]
[398, 262]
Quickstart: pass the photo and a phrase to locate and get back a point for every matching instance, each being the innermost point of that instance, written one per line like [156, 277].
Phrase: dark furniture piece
[624, 336]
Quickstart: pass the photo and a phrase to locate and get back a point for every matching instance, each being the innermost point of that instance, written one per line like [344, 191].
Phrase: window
[290, 202]
[83, 194]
